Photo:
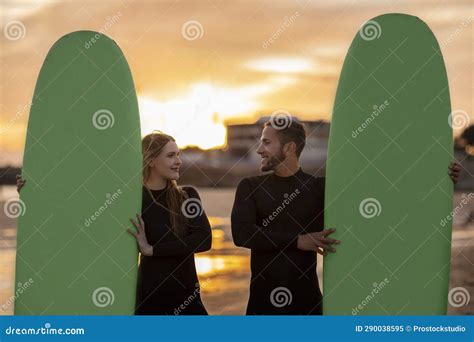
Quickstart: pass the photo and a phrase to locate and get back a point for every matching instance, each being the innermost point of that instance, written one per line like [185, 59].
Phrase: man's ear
[289, 147]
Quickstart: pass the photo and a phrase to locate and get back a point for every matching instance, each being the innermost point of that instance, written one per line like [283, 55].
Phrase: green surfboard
[388, 193]
[82, 164]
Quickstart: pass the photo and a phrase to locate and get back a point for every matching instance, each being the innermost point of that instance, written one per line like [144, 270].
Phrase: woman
[172, 227]
[176, 228]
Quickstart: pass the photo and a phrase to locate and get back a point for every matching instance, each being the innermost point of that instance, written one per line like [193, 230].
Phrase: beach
[224, 272]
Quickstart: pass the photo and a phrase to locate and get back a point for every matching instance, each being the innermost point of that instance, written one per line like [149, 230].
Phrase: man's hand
[20, 182]
[318, 242]
[454, 170]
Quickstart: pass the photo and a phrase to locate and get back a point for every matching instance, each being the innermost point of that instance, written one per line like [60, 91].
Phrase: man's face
[270, 149]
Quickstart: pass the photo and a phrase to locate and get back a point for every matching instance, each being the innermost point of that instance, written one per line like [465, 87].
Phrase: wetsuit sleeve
[245, 231]
[198, 237]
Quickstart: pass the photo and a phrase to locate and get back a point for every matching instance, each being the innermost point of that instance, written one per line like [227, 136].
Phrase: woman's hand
[145, 248]
[20, 182]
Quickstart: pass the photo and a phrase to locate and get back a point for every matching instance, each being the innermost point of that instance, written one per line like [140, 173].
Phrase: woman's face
[166, 165]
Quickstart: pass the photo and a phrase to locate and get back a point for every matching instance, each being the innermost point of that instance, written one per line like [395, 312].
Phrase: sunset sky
[212, 62]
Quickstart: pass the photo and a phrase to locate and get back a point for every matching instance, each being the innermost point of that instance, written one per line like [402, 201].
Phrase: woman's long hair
[152, 146]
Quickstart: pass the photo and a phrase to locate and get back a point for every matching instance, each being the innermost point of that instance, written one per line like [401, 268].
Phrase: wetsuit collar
[295, 175]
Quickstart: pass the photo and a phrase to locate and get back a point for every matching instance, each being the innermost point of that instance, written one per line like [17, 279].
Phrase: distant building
[243, 140]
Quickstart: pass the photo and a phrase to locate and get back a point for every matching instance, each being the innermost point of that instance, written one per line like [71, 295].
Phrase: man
[280, 218]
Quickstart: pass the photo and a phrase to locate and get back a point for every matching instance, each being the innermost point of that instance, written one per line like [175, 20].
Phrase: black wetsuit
[269, 213]
[167, 281]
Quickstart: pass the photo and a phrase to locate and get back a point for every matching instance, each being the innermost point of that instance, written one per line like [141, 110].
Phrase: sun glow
[282, 64]
[196, 118]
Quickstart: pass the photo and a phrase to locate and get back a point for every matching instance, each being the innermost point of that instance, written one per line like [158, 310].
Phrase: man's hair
[294, 132]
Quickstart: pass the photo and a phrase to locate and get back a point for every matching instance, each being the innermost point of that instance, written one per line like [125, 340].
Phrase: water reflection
[224, 271]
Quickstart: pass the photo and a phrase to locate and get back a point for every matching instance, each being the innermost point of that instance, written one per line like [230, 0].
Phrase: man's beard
[273, 162]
